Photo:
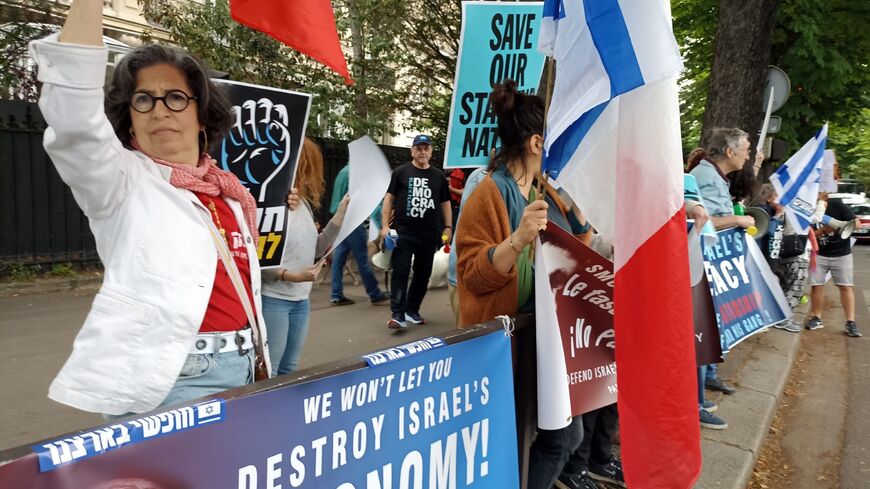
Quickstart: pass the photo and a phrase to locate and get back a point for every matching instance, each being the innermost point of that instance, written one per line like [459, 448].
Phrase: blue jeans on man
[356, 243]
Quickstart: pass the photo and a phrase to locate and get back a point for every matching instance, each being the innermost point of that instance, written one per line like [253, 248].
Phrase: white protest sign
[763, 135]
[828, 183]
[554, 400]
[369, 179]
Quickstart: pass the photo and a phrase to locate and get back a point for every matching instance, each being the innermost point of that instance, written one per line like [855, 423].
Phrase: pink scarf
[208, 179]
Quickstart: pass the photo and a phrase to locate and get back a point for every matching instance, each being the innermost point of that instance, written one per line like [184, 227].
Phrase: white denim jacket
[158, 254]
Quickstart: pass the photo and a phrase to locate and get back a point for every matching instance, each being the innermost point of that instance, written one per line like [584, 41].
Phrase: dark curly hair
[213, 106]
[520, 117]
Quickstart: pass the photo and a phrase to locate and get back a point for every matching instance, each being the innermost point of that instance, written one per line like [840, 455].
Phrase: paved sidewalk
[759, 368]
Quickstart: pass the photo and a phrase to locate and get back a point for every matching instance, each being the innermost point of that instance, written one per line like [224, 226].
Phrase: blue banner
[499, 40]
[442, 418]
[746, 294]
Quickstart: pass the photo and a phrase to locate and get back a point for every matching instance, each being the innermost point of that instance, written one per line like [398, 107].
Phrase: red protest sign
[581, 284]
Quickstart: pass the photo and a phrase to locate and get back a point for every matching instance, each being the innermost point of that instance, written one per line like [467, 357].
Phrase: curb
[760, 369]
[84, 281]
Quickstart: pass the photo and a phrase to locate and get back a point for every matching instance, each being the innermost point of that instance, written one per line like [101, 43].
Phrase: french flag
[613, 142]
[797, 181]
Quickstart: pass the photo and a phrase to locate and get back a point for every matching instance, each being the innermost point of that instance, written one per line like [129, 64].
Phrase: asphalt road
[37, 332]
[825, 432]
[855, 471]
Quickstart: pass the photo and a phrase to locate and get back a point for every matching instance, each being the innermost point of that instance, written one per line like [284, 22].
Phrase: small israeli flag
[209, 411]
[797, 181]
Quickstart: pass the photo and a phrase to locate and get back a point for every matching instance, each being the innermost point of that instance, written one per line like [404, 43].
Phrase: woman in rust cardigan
[504, 215]
[496, 228]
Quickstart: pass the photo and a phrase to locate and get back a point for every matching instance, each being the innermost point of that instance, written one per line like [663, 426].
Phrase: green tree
[20, 23]
[821, 44]
[852, 145]
[695, 29]
[208, 31]
[430, 46]
[372, 28]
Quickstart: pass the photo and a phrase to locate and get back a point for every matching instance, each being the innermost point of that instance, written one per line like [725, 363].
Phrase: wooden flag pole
[542, 180]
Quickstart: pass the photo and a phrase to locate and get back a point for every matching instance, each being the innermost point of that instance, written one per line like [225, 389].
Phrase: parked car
[862, 212]
[850, 199]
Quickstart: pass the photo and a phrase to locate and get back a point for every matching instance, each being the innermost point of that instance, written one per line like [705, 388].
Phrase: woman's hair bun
[503, 97]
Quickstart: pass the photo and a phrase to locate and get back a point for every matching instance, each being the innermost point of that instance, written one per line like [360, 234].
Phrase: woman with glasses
[177, 316]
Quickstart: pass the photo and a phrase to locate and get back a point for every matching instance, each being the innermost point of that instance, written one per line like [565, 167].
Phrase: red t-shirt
[225, 311]
[457, 180]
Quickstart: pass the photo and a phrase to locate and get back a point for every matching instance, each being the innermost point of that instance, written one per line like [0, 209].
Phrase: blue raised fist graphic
[258, 145]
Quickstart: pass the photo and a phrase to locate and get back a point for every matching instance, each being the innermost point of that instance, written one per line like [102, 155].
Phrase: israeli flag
[797, 181]
[609, 47]
[614, 116]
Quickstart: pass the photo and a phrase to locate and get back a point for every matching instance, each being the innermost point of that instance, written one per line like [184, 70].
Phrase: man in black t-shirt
[835, 256]
[420, 197]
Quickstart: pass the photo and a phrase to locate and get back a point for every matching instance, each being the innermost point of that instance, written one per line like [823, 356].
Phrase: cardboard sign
[262, 149]
[498, 40]
[574, 300]
[746, 294]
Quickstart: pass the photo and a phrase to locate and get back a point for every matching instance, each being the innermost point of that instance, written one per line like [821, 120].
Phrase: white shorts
[841, 269]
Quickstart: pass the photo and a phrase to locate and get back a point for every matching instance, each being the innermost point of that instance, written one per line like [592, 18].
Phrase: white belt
[216, 342]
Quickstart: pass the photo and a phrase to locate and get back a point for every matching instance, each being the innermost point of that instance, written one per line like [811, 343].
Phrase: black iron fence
[39, 219]
[40, 222]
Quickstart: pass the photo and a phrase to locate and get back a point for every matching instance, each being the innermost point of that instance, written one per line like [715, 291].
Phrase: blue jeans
[711, 372]
[701, 375]
[206, 375]
[356, 243]
[287, 327]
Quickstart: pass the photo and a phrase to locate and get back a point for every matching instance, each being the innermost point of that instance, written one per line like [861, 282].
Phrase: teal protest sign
[499, 40]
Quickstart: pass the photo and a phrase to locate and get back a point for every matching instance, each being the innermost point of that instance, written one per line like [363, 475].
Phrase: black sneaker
[582, 481]
[414, 318]
[815, 322]
[342, 301]
[710, 420]
[717, 385]
[852, 329]
[610, 472]
[381, 300]
[397, 321]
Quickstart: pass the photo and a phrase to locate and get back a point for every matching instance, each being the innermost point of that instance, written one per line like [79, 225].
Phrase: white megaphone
[844, 227]
[384, 258]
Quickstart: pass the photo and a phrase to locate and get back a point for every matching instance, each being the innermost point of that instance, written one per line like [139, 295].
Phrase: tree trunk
[360, 98]
[740, 59]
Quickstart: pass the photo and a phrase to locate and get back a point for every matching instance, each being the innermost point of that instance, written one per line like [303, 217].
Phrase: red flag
[307, 26]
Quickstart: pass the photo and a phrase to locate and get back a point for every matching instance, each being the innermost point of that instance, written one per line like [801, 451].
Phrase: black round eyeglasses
[174, 100]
